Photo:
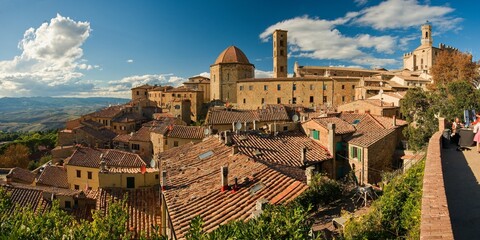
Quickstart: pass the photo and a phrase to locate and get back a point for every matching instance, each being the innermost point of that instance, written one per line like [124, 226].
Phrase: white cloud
[392, 14]
[360, 2]
[50, 58]
[130, 61]
[263, 74]
[319, 39]
[204, 74]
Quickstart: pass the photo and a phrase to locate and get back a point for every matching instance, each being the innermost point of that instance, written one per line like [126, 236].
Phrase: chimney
[235, 149]
[228, 139]
[303, 155]
[394, 120]
[233, 126]
[254, 125]
[103, 164]
[259, 207]
[164, 180]
[309, 174]
[224, 177]
[331, 147]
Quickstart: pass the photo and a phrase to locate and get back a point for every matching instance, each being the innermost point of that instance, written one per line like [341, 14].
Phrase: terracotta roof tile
[89, 157]
[282, 149]
[55, 176]
[21, 175]
[129, 117]
[143, 207]
[365, 139]
[100, 134]
[194, 185]
[142, 135]
[228, 117]
[187, 132]
[122, 138]
[341, 126]
[108, 112]
[232, 54]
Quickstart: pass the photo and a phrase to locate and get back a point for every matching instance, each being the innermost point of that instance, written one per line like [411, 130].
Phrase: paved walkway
[462, 176]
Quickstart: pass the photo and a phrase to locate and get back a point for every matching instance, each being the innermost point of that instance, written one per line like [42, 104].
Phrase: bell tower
[427, 34]
[279, 53]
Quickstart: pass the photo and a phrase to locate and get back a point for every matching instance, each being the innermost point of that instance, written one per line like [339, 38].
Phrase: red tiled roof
[143, 207]
[365, 139]
[129, 117]
[341, 127]
[142, 135]
[108, 112]
[92, 124]
[122, 138]
[273, 113]
[21, 175]
[187, 132]
[193, 185]
[145, 86]
[228, 117]
[89, 157]
[232, 55]
[100, 134]
[55, 176]
[284, 149]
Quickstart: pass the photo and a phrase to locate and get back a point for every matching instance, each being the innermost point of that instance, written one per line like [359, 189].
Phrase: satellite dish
[152, 163]
[295, 118]
[238, 125]
[206, 131]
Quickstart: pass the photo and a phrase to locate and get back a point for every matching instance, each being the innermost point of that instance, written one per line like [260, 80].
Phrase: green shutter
[359, 154]
[315, 134]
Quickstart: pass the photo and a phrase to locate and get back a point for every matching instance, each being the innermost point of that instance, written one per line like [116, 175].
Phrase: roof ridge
[376, 121]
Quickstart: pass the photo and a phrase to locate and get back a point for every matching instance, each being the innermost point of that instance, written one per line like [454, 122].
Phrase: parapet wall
[435, 219]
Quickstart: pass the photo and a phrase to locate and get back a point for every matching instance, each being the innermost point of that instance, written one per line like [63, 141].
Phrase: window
[205, 155]
[156, 176]
[343, 86]
[89, 175]
[114, 127]
[315, 134]
[279, 87]
[250, 87]
[175, 143]
[79, 174]
[77, 187]
[353, 98]
[353, 86]
[281, 43]
[173, 94]
[294, 87]
[343, 98]
[166, 142]
[135, 146]
[281, 68]
[244, 101]
[138, 93]
[294, 100]
[241, 88]
[279, 100]
[281, 52]
[265, 87]
[324, 99]
[356, 152]
[285, 128]
[311, 87]
[130, 182]
[145, 94]
[263, 100]
[324, 87]
[311, 99]
[179, 95]
[163, 95]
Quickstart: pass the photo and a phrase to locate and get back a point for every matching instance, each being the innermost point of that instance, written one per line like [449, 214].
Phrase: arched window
[426, 34]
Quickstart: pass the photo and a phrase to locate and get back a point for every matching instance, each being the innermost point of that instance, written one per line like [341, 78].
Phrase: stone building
[424, 56]
[373, 106]
[231, 65]
[200, 83]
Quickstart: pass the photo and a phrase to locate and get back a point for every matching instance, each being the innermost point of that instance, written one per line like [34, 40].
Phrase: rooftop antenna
[238, 126]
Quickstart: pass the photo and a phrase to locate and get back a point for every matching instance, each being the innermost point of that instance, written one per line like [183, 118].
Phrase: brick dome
[232, 55]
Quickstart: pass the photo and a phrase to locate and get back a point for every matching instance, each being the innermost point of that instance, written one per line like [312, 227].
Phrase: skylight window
[205, 155]
[356, 121]
[256, 188]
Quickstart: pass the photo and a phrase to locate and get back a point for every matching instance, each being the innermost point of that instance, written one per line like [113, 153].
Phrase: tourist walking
[476, 130]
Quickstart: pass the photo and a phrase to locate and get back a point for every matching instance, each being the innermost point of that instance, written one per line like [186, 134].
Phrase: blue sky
[103, 48]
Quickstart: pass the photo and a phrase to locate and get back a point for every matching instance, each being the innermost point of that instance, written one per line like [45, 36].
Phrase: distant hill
[45, 113]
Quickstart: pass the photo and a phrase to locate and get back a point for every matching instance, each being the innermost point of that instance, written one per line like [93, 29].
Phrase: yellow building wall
[83, 181]
[120, 179]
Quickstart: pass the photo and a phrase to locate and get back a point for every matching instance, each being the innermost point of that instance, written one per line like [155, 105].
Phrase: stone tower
[279, 53]
[231, 65]
[427, 34]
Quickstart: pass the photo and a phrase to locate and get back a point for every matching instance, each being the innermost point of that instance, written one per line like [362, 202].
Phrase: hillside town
[226, 146]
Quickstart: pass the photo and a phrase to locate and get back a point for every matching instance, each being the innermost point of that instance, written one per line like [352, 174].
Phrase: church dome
[232, 55]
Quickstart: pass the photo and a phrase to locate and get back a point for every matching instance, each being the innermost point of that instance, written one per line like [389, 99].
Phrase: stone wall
[435, 219]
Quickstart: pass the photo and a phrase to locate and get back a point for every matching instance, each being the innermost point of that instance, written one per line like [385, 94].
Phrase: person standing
[456, 125]
[476, 130]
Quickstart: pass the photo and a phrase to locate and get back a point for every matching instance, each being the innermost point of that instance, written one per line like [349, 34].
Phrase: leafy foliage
[451, 66]
[23, 223]
[322, 191]
[16, 155]
[396, 215]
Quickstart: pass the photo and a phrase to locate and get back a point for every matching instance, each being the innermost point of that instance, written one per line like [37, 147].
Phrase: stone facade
[280, 63]
[231, 66]
[305, 91]
[200, 83]
[372, 106]
[423, 57]
[166, 98]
